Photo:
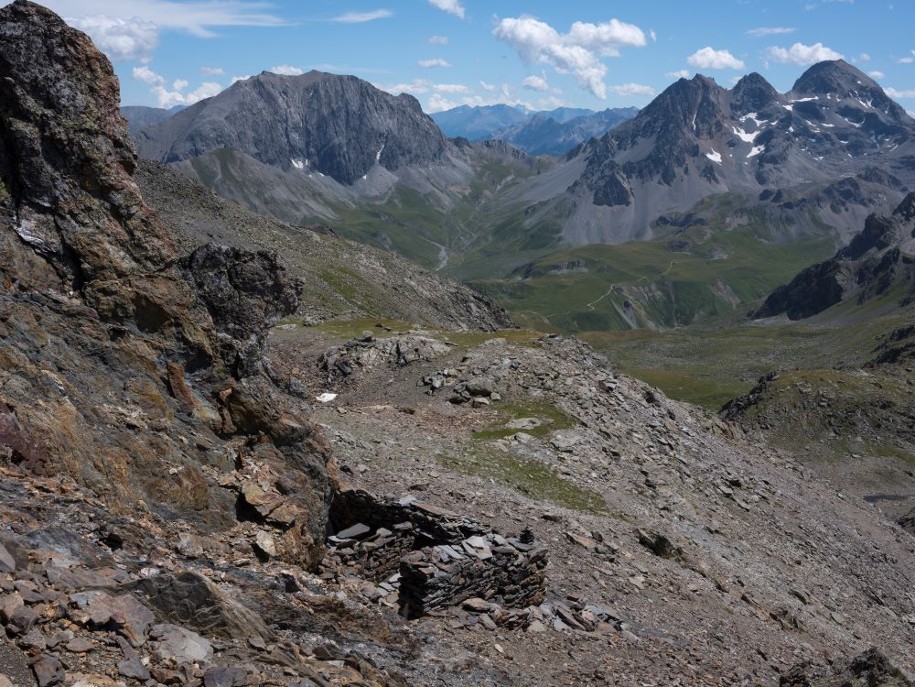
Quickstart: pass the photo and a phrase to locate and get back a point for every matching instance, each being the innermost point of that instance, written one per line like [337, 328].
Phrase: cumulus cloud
[120, 39]
[907, 59]
[433, 62]
[212, 71]
[709, 58]
[438, 40]
[450, 6]
[679, 74]
[487, 86]
[632, 89]
[536, 83]
[876, 74]
[893, 93]
[286, 70]
[770, 31]
[169, 98]
[362, 17]
[801, 54]
[577, 52]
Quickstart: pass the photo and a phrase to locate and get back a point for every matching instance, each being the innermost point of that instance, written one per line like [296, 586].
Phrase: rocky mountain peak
[339, 126]
[842, 81]
[752, 94]
[833, 76]
[688, 103]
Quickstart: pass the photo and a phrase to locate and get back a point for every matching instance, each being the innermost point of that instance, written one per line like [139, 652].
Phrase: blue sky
[536, 53]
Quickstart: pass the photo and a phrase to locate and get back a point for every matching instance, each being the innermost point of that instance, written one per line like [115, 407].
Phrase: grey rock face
[340, 126]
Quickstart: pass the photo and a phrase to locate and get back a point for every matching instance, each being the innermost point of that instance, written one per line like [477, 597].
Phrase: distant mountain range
[720, 175]
[830, 151]
[553, 132]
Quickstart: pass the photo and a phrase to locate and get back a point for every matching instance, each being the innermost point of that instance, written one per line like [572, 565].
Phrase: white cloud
[120, 39]
[438, 103]
[679, 74]
[876, 74]
[864, 57]
[434, 62]
[212, 71]
[653, 35]
[536, 83]
[893, 93]
[169, 98]
[206, 90]
[770, 31]
[438, 40]
[450, 88]
[802, 55]
[129, 29]
[413, 87]
[632, 89]
[578, 52]
[908, 59]
[708, 58]
[450, 6]
[236, 79]
[362, 17]
[487, 86]
[286, 70]
[198, 18]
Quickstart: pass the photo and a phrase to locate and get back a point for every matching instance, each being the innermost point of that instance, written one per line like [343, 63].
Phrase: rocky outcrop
[135, 372]
[340, 126]
[876, 260]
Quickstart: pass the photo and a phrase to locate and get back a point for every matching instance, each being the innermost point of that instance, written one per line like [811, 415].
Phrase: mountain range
[828, 152]
[549, 132]
[703, 171]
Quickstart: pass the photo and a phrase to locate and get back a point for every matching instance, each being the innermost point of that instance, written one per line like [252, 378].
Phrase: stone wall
[433, 558]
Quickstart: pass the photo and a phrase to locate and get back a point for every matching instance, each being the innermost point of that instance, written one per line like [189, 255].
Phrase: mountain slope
[878, 261]
[340, 278]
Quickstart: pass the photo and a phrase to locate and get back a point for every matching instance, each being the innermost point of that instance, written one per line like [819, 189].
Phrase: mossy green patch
[527, 476]
[550, 417]
[348, 329]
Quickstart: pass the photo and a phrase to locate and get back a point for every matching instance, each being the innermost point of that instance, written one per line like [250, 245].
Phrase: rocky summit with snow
[230, 457]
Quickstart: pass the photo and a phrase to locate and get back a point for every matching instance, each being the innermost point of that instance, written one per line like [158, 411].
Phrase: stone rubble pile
[367, 352]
